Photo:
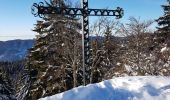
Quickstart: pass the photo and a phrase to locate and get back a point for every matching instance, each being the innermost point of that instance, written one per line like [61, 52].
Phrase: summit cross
[85, 12]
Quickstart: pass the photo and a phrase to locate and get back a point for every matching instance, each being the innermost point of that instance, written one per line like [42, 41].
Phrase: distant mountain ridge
[13, 50]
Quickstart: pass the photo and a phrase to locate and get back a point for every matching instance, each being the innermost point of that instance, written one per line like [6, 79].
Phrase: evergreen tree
[6, 90]
[164, 21]
[54, 61]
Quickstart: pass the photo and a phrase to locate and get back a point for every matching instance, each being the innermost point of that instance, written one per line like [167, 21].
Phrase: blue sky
[16, 20]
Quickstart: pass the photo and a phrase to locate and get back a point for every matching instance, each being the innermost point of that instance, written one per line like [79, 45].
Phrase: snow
[43, 35]
[164, 49]
[128, 68]
[122, 88]
[118, 64]
[62, 44]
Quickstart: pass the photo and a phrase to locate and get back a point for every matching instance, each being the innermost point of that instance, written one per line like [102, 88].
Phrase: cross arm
[40, 9]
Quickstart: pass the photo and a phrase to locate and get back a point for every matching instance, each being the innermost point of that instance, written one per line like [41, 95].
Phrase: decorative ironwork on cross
[41, 10]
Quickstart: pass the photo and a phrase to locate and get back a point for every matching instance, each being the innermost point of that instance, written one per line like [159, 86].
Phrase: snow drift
[123, 88]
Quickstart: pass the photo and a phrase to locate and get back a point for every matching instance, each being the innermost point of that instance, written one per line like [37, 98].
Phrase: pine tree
[164, 21]
[54, 61]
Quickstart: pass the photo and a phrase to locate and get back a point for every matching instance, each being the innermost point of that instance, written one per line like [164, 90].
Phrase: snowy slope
[123, 88]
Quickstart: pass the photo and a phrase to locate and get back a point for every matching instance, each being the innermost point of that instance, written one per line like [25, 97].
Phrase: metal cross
[84, 12]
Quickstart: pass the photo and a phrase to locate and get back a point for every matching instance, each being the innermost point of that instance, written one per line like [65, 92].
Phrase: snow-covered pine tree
[54, 61]
[161, 55]
[163, 32]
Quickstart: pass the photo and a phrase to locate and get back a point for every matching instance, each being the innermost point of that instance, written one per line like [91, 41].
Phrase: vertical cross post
[85, 40]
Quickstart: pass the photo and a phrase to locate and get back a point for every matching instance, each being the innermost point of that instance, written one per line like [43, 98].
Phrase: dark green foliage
[164, 21]
[13, 70]
[7, 91]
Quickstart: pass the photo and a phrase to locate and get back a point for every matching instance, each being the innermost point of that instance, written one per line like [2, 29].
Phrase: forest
[54, 64]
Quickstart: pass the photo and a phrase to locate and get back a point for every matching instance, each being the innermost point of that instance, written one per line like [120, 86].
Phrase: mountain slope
[14, 49]
[123, 88]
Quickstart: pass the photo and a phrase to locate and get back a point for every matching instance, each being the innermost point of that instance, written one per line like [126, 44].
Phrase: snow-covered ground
[122, 88]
